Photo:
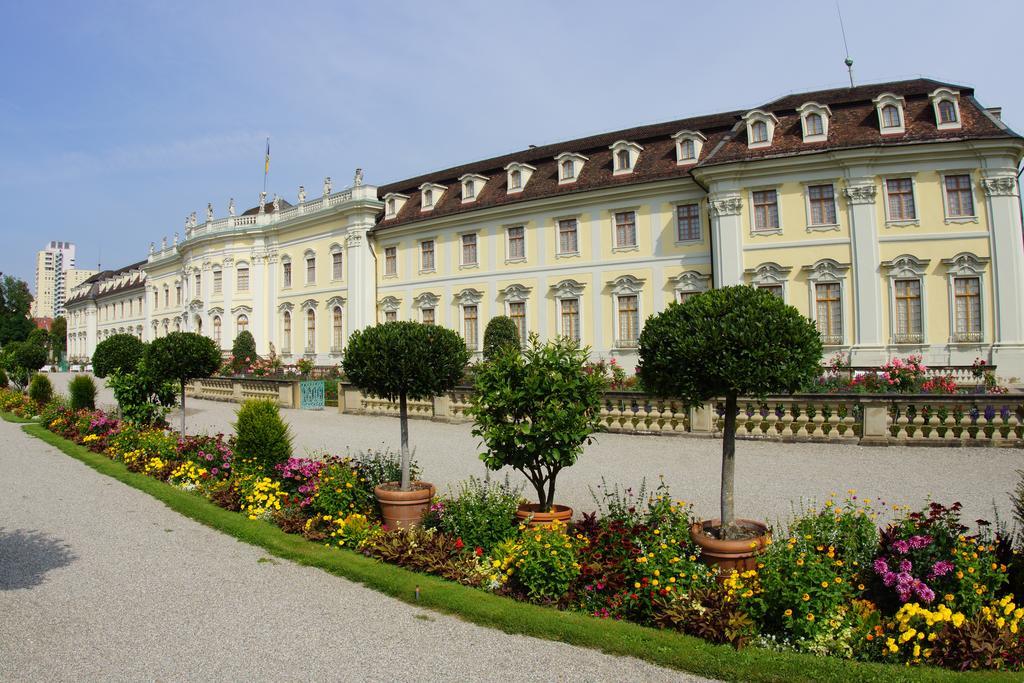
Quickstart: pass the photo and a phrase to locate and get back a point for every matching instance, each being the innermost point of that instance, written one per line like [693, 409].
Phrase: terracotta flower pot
[727, 555]
[403, 509]
[530, 513]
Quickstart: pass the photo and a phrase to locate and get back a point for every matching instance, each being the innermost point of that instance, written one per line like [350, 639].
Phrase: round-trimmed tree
[501, 333]
[405, 360]
[729, 342]
[182, 357]
[23, 360]
[117, 352]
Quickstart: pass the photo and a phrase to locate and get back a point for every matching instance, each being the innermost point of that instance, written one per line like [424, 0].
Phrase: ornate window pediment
[906, 266]
[625, 285]
[472, 185]
[570, 165]
[814, 120]
[689, 144]
[286, 306]
[690, 281]
[390, 303]
[568, 289]
[515, 293]
[426, 300]
[965, 264]
[430, 195]
[768, 274]
[336, 301]
[216, 310]
[393, 203]
[760, 128]
[469, 297]
[826, 270]
[624, 156]
[946, 105]
[517, 176]
[309, 304]
[241, 309]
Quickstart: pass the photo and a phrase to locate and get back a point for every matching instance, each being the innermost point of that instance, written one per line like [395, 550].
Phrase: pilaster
[228, 333]
[258, 323]
[868, 344]
[1002, 194]
[726, 238]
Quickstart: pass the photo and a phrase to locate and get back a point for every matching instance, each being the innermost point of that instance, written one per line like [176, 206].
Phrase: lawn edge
[662, 648]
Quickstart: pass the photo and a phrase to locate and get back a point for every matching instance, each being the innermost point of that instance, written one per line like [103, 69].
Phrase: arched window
[216, 329]
[286, 272]
[516, 179]
[177, 325]
[243, 323]
[336, 328]
[428, 197]
[623, 159]
[310, 268]
[286, 332]
[814, 125]
[759, 131]
[687, 150]
[890, 116]
[568, 169]
[310, 331]
[947, 112]
[337, 263]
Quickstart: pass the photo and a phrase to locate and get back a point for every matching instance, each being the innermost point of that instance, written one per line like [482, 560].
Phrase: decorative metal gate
[311, 395]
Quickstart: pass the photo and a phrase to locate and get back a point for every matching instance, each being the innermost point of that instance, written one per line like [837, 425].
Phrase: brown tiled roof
[854, 123]
[268, 208]
[94, 283]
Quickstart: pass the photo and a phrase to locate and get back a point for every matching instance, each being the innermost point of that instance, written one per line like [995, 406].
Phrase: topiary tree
[405, 360]
[536, 410]
[23, 359]
[729, 342]
[82, 391]
[262, 439]
[117, 352]
[40, 389]
[501, 333]
[182, 357]
[243, 351]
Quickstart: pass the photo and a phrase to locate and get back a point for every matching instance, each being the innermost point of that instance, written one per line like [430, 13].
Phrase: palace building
[889, 214]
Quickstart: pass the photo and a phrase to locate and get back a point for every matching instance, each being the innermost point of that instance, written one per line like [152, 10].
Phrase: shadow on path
[26, 557]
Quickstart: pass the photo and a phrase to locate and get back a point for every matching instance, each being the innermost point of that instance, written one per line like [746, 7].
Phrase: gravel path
[99, 581]
[770, 477]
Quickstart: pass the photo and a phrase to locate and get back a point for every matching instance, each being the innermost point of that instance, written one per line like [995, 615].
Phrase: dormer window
[890, 110]
[946, 104]
[430, 194]
[814, 120]
[472, 184]
[393, 203]
[760, 128]
[518, 176]
[624, 156]
[570, 165]
[688, 146]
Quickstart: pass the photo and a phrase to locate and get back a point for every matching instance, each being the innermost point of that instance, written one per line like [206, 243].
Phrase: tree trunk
[550, 501]
[729, 463]
[183, 409]
[403, 420]
[541, 493]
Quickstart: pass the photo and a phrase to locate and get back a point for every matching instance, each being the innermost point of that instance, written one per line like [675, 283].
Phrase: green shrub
[23, 359]
[142, 398]
[481, 513]
[243, 351]
[342, 490]
[82, 391]
[4, 383]
[500, 334]
[547, 564]
[41, 389]
[382, 467]
[120, 352]
[262, 439]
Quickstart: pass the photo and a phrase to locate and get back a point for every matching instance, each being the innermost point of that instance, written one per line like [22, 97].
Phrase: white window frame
[516, 294]
[829, 271]
[948, 219]
[218, 280]
[569, 289]
[907, 267]
[626, 285]
[558, 237]
[462, 249]
[419, 249]
[754, 230]
[770, 274]
[240, 266]
[393, 203]
[509, 258]
[613, 214]
[436, 192]
[475, 183]
[811, 226]
[578, 162]
[525, 171]
[887, 99]
[384, 265]
[937, 97]
[333, 303]
[901, 222]
[336, 250]
[760, 116]
[632, 151]
[309, 346]
[698, 141]
[470, 297]
[965, 264]
[821, 110]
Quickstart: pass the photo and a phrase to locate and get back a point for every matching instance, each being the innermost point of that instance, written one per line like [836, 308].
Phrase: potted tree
[726, 343]
[182, 357]
[399, 361]
[534, 411]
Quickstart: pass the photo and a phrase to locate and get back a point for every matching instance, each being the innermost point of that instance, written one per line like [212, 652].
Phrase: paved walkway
[770, 477]
[99, 581]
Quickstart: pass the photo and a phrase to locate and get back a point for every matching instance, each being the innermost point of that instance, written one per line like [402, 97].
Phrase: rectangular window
[218, 279]
[959, 198]
[968, 308]
[625, 229]
[390, 316]
[243, 279]
[908, 311]
[823, 204]
[469, 326]
[198, 286]
[901, 199]
[427, 315]
[156, 300]
[390, 260]
[567, 239]
[286, 333]
[688, 222]
[686, 296]
[629, 320]
[829, 312]
[167, 298]
[766, 210]
[177, 294]
[287, 274]
[336, 265]
[516, 242]
[310, 270]
[774, 290]
[571, 318]
[427, 255]
[517, 311]
[469, 250]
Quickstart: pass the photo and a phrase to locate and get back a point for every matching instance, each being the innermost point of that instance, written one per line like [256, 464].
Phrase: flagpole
[266, 165]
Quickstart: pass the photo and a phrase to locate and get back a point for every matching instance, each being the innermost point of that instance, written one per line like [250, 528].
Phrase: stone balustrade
[285, 392]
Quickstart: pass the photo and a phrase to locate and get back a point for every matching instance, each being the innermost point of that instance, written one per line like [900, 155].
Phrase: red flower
[459, 544]
[478, 551]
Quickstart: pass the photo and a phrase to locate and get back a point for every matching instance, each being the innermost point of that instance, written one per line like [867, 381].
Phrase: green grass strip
[11, 417]
[661, 647]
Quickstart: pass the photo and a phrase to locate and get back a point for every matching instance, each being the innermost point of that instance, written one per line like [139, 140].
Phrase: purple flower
[918, 542]
[215, 471]
[906, 566]
[901, 546]
[881, 566]
[941, 568]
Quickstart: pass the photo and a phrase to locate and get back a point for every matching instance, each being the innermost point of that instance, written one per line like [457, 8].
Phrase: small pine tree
[82, 391]
[40, 390]
[262, 438]
[243, 351]
[501, 333]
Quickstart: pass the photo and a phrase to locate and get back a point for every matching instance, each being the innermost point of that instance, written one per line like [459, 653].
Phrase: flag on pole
[266, 162]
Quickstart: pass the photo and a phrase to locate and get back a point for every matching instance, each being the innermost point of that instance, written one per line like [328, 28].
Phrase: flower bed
[922, 590]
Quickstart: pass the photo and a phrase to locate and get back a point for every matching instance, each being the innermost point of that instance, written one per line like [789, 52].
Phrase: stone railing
[237, 389]
[867, 419]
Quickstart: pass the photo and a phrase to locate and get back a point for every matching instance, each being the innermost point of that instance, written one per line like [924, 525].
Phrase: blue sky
[117, 119]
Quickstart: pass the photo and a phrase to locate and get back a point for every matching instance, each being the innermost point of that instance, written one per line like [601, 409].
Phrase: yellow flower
[824, 584]
[788, 613]
[810, 617]
[806, 597]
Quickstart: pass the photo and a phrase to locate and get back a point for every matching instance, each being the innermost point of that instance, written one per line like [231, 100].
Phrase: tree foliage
[182, 357]
[262, 439]
[59, 336]
[729, 342]
[405, 360]
[22, 360]
[142, 397]
[500, 334]
[15, 305]
[536, 410]
[119, 352]
[82, 393]
[40, 389]
[243, 351]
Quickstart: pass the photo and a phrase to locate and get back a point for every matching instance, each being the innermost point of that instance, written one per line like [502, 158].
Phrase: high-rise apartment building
[56, 276]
